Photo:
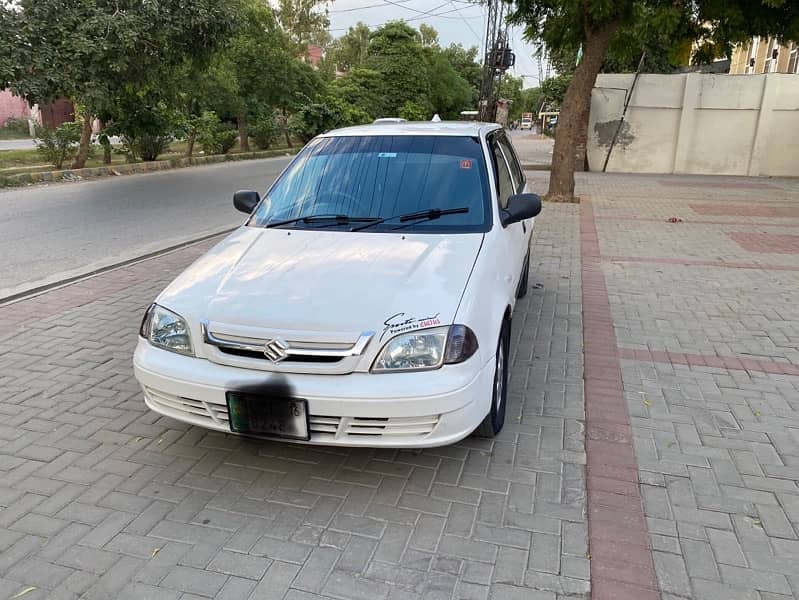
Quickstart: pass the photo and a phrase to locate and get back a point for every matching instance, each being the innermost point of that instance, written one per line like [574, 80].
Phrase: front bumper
[398, 410]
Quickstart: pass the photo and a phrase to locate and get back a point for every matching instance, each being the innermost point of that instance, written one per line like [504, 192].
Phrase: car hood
[311, 280]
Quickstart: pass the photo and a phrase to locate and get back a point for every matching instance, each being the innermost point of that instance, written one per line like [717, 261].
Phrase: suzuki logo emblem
[276, 350]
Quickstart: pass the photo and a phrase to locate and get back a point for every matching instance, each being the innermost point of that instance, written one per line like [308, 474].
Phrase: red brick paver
[621, 558]
[693, 262]
[766, 243]
[711, 360]
[745, 210]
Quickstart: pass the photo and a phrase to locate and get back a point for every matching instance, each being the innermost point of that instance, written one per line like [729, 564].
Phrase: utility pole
[498, 58]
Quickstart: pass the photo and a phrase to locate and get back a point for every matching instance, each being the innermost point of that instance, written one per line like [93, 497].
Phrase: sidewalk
[683, 338]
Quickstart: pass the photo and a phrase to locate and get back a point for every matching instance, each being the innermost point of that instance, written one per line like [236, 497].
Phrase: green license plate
[268, 416]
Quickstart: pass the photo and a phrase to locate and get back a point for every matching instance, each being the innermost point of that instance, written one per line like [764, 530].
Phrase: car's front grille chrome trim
[277, 350]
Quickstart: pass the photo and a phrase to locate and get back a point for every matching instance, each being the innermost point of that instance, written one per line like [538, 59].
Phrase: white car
[366, 301]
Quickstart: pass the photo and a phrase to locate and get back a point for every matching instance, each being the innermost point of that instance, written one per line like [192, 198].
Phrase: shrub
[264, 129]
[412, 111]
[145, 146]
[59, 144]
[17, 127]
[317, 117]
[215, 137]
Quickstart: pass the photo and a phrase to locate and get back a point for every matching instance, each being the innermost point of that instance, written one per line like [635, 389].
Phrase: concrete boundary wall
[697, 123]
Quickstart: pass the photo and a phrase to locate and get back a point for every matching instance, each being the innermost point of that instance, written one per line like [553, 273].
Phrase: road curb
[135, 168]
[41, 289]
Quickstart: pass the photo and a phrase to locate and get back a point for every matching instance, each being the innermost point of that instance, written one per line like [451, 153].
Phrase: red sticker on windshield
[466, 164]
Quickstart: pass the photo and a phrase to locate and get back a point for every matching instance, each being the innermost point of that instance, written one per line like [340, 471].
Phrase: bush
[215, 137]
[17, 127]
[145, 146]
[60, 144]
[264, 129]
[411, 111]
[317, 117]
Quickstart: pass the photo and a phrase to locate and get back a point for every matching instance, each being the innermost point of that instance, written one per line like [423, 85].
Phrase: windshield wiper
[337, 220]
[422, 215]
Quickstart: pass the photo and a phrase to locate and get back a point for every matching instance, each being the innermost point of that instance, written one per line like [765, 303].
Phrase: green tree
[510, 88]
[411, 111]
[596, 25]
[363, 88]
[464, 61]
[91, 51]
[254, 61]
[351, 49]
[449, 92]
[395, 53]
[428, 36]
[305, 22]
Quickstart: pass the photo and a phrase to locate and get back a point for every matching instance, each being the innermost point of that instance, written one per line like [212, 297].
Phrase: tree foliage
[93, 51]
[395, 52]
[363, 88]
[305, 21]
[351, 49]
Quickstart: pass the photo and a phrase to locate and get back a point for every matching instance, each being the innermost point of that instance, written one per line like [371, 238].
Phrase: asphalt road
[23, 144]
[51, 232]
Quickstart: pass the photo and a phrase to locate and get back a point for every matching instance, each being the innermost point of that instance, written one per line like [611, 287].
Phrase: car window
[504, 182]
[513, 162]
[381, 176]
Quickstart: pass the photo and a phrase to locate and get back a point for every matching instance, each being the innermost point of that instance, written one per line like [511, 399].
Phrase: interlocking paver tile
[98, 488]
[708, 338]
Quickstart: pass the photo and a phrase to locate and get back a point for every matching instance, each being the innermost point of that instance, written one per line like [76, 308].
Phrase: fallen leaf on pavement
[674, 220]
[23, 592]
[155, 551]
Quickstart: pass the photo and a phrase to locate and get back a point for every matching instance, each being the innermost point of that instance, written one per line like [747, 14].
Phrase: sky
[457, 21]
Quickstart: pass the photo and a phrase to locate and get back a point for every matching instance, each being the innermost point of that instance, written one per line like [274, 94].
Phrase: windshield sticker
[387, 155]
[400, 323]
[466, 164]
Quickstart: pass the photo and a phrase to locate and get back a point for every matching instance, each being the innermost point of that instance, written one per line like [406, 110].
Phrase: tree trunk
[244, 140]
[85, 142]
[107, 154]
[286, 128]
[190, 144]
[581, 141]
[573, 117]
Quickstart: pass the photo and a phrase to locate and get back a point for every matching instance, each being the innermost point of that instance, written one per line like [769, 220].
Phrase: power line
[381, 4]
[441, 15]
[421, 12]
[479, 39]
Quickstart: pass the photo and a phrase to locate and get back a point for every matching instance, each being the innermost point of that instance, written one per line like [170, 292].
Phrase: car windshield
[379, 176]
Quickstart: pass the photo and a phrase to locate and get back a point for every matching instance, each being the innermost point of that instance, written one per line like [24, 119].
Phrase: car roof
[449, 128]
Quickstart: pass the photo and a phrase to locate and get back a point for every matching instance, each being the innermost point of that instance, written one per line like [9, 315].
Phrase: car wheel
[495, 418]
[525, 278]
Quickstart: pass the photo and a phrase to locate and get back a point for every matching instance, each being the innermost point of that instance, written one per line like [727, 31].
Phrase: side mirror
[521, 207]
[246, 200]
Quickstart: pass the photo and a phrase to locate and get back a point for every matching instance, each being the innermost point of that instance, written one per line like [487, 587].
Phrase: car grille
[284, 351]
[322, 427]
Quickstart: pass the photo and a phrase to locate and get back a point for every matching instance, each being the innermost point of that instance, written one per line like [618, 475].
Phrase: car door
[514, 237]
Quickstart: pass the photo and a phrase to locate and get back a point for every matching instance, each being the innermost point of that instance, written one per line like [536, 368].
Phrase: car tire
[524, 281]
[495, 419]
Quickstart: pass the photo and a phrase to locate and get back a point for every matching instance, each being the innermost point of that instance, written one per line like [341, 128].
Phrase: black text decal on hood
[400, 323]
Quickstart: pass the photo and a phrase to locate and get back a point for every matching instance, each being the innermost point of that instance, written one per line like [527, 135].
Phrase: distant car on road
[527, 121]
[367, 300]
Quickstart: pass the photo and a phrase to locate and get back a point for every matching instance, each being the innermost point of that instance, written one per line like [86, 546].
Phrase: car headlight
[167, 330]
[426, 349]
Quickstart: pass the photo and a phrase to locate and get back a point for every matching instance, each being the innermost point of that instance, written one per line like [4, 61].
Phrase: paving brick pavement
[102, 499]
[706, 324]
[690, 486]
